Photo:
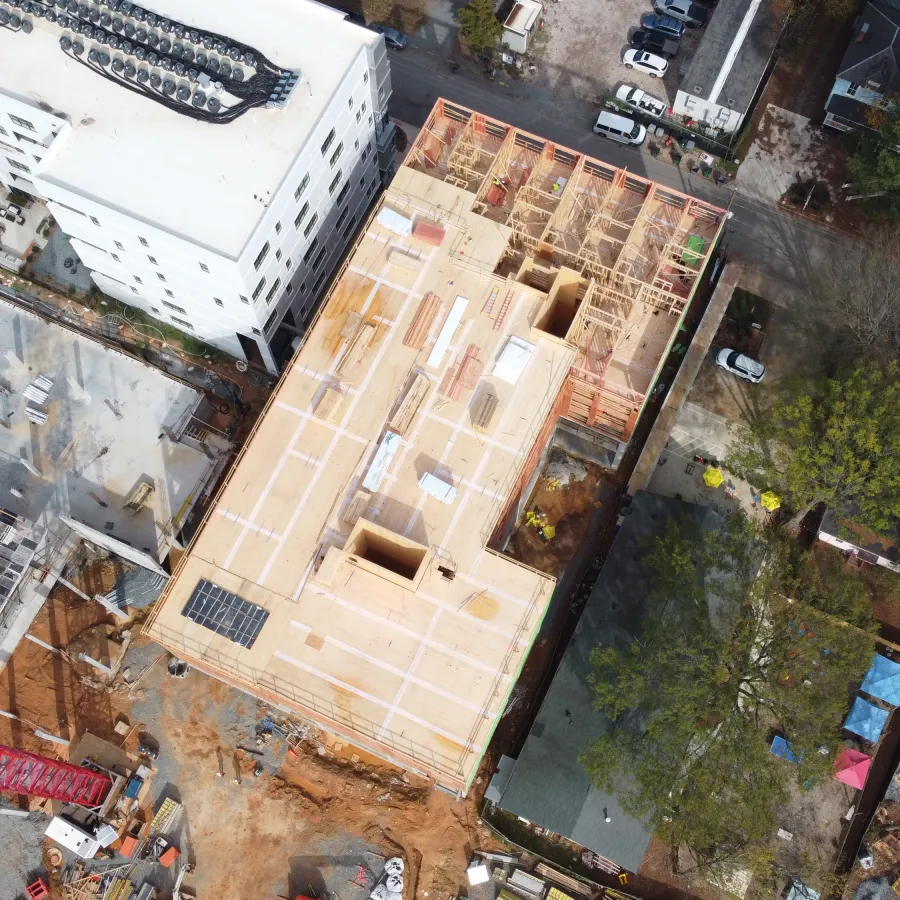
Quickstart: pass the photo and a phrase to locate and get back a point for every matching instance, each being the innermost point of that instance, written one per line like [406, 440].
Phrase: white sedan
[740, 365]
[654, 66]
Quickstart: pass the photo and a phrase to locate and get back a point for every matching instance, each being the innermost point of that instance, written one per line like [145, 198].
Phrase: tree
[837, 443]
[859, 287]
[875, 164]
[480, 27]
[696, 697]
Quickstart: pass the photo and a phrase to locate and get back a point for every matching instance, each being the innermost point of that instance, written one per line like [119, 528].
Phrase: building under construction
[354, 566]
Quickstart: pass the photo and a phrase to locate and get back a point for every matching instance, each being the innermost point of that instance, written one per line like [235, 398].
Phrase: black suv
[656, 43]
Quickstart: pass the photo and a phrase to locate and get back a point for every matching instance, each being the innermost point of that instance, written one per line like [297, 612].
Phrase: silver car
[740, 365]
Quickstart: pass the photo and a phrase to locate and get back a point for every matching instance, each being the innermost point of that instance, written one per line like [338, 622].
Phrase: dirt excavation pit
[323, 809]
[555, 520]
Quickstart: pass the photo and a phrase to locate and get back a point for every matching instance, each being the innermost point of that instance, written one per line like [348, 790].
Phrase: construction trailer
[355, 566]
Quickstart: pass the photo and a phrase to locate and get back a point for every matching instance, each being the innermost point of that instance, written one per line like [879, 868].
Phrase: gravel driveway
[587, 38]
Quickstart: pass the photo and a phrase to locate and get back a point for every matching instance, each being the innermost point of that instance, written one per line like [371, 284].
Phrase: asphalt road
[784, 249]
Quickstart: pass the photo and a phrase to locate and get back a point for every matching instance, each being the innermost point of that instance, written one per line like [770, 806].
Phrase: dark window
[20, 166]
[278, 255]
[334, 182]
[273, 290]
[328, 141]
[170, 294]
[342, 217]
[278, 228]
[312, 224]
[310, 250]
[152, 259]
[318, 260]
[160, 276]
[137, 278]
[173, 306]
[343, 194]
[256, 331]
[271, 320]
[143, 241]
[134, 289]
[182, 322]
[120, 246]
[95, 220]
[115, 256]
[301, 187]
[204, 267]
[261, 256]
[258, 289]
[217, 301]
[243, 298]
[301, 215]
[349, 227]
[287, 263]
[225, 613]
[22, 123]
[336, 155]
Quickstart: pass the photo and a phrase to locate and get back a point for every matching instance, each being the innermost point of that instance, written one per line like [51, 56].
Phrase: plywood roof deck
[391, 620]
[417, 672]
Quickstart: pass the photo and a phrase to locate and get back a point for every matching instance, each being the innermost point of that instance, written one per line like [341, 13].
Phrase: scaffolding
[638, 247]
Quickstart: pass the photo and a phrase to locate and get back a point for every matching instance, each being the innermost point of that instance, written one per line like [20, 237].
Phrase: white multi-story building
[209, 159]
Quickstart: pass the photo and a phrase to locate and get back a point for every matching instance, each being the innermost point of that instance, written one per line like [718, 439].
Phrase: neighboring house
[520, 24]
[847, 536]
[547, 785]
[209, 161]
[869, 71]
[722, 78]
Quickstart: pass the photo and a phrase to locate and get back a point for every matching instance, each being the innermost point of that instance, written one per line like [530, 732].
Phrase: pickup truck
[654, 43]
[640, 100]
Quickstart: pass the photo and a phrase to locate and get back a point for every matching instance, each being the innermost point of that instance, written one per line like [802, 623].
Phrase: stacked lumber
[420, 327]
[407, 410]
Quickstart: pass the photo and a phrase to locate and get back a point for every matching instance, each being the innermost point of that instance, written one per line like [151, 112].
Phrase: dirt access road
[306, 820]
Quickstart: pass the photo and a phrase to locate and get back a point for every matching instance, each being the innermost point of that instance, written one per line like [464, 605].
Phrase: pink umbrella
[852, 767]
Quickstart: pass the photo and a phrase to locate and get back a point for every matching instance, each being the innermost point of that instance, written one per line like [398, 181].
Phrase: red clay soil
[569, 509]
[49, 692]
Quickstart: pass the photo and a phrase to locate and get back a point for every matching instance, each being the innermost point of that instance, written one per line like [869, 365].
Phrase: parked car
[691, 14]
[655, 43]
[740, 365]
[654, 66]
[395, 39]
[619, 128]
[664, 25]
[640, 100]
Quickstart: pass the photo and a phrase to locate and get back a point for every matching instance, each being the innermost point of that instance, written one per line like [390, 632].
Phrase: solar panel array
[225, 613]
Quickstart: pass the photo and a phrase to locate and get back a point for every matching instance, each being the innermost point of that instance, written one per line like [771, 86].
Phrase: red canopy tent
[852, 767]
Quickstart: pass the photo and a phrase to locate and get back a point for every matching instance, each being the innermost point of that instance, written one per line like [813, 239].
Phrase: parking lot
[583, 55]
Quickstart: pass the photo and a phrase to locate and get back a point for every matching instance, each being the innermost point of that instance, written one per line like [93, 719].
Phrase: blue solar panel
[225, 613]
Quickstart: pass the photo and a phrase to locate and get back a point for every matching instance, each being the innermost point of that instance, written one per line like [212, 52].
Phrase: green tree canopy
[728, 662]
[837, 443]
[480, 27]
[875, 164]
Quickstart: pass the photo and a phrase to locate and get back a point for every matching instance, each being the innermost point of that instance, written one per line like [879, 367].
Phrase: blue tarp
[780, 747]
[866, 720]
[883, 680]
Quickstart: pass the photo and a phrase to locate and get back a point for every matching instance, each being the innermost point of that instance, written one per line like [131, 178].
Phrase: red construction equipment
[37, 890]
[37, 776]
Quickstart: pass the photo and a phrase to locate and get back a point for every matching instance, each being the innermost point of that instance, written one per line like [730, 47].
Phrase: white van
[620, 128]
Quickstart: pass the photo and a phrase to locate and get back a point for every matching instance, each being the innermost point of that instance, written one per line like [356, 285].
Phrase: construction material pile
[390, 883]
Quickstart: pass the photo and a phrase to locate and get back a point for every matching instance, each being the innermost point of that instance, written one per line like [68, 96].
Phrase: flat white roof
[191, 178]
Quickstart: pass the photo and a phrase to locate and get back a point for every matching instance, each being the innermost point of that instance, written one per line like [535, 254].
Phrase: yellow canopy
[713, 477]
[770, 501]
